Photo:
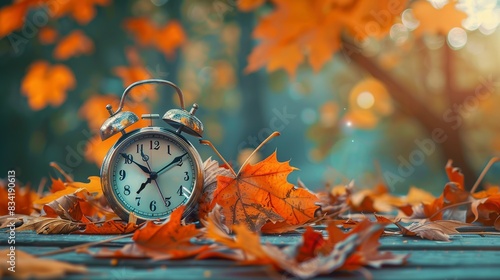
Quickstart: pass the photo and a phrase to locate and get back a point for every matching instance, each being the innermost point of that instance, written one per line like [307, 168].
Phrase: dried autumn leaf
[66, 207]
[434, 230]
[252, 252]
[170, 240]
[44, 225]
[74, 44]
[108, 227]
[486, 210]
[92, 187]
[261, 193]
[212, 170]
[45, 84]
[449, 17]
[22, 197]
[31, 267]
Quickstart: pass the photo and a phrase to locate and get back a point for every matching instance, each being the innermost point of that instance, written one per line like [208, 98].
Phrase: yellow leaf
[29, 266]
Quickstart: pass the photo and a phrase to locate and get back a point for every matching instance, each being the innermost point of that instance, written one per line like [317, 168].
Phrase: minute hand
[176, 160]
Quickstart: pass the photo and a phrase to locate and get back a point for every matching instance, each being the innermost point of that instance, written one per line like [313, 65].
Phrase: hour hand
[143, 185]
[142, 167]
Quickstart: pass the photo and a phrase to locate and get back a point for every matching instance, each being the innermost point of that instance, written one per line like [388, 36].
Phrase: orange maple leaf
[246, 245]
[166, 39]
[261, 193]
[108, 227]
[83, 11]
[22, 199]
[136, 72]
[169, 240]
[92, 187]
[12, 16]
[75, 44]
[449, 17]
[315, 28]
[45, 84]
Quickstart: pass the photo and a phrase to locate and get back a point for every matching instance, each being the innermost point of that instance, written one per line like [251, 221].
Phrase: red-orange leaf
[170, 240]
[21, 198]
[75, 44]
[83, 11]
[45, 84]
[108, 227]
[261, 193]
[12, 17]
[165, 38]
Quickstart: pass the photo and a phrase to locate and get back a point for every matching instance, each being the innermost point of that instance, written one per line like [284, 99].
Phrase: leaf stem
[208, 143]
[65, 175]
[89, 244]
[274, 134]
[483, 173]
[450, 206]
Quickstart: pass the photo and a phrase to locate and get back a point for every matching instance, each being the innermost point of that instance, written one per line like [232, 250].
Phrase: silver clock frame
[112, 156]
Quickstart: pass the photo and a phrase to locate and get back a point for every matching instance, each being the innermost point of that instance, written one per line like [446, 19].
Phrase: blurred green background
[348, 121]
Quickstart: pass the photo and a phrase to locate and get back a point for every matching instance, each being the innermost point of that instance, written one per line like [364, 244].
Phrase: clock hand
[161, 194]
[142, 167]
[177, 160]
[144, 156]
[143, 185]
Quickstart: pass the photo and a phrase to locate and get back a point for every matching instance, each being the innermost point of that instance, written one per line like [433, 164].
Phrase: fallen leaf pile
[237, 207]
[69, 207]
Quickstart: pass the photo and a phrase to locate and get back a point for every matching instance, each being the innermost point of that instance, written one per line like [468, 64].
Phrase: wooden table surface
[466, 256]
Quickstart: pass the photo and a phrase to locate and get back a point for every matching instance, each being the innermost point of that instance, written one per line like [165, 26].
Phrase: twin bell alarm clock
[153, 170]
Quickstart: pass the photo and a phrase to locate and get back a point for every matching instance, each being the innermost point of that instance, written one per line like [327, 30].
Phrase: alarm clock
[152, 171]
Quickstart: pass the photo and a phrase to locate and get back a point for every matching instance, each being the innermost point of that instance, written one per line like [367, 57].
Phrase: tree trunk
[452, 148]
[250, 84]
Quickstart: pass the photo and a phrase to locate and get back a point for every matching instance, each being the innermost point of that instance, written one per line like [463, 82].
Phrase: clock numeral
[152, 205]
[167, 201]
[129, 159]
[126, 190]
[154, 145]
[122, 174]
[182, 191]
[168, 150]
[186, 177]
[140, 147]
[138, 199]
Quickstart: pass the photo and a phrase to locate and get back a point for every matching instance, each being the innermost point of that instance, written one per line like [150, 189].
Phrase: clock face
[151, 174]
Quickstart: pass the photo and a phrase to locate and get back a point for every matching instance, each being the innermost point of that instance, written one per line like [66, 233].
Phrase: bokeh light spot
[365, 100]
[457, 38]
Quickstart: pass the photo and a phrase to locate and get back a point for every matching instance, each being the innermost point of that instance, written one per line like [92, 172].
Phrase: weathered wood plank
[466, 256]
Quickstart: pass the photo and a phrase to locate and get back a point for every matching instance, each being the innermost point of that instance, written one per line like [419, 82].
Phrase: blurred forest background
[359, 89]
